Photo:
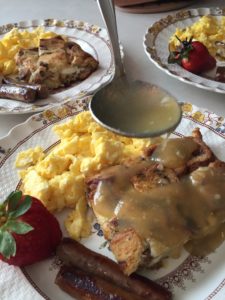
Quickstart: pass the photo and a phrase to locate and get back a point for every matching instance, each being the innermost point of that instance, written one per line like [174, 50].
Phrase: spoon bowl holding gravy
[136, 109]
[131, 108]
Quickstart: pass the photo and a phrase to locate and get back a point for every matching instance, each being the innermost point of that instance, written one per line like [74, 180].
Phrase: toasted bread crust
[56, 63]
[130, 250]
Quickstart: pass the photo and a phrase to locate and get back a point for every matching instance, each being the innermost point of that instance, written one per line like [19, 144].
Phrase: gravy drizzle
[189, 212]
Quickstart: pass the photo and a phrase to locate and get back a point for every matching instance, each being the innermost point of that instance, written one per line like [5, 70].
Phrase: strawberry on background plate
[28, 231]
[193, 56]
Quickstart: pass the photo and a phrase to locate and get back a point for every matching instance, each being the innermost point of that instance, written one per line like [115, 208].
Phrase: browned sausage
[72, 252]
[41, 89]
[27, 95]
[83, 286]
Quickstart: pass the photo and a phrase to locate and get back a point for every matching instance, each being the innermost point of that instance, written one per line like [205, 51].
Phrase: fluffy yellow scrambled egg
[58, 178]
[207, 30]
[13, 41]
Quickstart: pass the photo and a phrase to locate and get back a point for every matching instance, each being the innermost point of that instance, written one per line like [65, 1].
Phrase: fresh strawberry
[193, 56]
[198, 46]
[28, 231]
[192, 63]
[210, 64]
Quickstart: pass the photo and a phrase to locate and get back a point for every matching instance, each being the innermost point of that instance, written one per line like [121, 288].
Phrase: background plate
[187, 277]
[156, 46]
[91, 38]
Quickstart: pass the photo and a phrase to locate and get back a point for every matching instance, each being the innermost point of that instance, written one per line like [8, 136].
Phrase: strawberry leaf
[18, 227]
[2, 209]
[7, 244]
[22, 208]
[174, 57]
[13, 200]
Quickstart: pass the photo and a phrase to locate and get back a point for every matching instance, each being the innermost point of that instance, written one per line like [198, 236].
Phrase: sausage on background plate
[41, 89]
[14, 92]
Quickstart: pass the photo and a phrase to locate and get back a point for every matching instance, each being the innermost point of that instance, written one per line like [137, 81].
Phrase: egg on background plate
[13, 41]
[207, 30]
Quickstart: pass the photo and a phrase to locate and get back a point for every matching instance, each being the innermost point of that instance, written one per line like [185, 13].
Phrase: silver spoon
[134, 109]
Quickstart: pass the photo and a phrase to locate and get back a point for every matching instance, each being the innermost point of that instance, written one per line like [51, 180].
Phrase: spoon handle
[107, 10]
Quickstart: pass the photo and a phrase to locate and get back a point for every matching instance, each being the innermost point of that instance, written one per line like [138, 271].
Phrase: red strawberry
[192, 63]
[198, 46]
[193, 56]
[210, 63]
[28, 231]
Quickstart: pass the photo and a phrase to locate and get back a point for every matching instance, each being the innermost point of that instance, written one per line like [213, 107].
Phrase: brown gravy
[207, 244]
[191, 210]
[174, 153]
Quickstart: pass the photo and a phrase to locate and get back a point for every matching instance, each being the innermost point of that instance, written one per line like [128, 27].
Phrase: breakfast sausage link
[72, 252]
[14, 92]
[41, 89]
[83, 286]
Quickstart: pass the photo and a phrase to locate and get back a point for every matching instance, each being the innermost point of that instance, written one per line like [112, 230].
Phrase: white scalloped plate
[156, 46]
[91, 38]
[189, 278]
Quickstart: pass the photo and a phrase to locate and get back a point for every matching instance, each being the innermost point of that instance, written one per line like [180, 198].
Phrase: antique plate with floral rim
[91, 38]
[187, 277]
[156, 46]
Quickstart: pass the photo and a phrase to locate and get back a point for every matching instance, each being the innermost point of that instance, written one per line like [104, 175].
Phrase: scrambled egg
[58, 178]
[207, 30]
[13, 41]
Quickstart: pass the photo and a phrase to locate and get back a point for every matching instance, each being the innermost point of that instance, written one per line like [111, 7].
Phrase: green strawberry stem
[185, 42]
[178, 39]
[182, 52]
[13, 207]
